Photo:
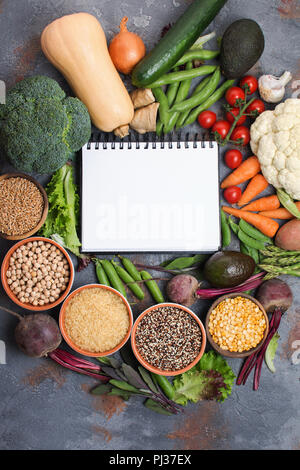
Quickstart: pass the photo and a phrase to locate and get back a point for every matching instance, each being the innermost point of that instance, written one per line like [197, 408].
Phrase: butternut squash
[76, 45]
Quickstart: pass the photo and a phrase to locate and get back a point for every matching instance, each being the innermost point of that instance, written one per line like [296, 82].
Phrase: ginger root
[122, 131]
[142, 97]
[144, 119]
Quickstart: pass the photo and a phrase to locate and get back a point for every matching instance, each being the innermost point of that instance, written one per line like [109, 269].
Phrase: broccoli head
[41, 128]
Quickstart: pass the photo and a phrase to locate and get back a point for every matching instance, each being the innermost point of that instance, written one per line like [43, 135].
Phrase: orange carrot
[268, 203]
[244, 172]
[256, 186]
[266, 225]
[281, 213]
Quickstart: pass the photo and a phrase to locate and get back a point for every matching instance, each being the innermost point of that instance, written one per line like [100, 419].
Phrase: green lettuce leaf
[62, 218]
[210, 379]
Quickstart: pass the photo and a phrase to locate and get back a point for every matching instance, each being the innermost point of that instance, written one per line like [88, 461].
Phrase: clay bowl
[229, 353]
[44, 213]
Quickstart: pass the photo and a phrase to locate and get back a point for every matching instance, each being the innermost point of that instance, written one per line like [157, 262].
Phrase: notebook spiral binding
[103, 141]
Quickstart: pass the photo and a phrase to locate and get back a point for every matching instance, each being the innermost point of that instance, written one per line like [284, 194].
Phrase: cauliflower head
[275, 140]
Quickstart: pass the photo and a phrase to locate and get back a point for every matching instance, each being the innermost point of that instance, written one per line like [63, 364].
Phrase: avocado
[242, 45]
[228, 268]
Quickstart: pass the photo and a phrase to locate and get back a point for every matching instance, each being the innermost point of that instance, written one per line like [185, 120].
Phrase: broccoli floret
[40, 128]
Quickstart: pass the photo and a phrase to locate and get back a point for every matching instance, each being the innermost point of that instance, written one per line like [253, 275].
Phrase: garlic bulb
[272, 88]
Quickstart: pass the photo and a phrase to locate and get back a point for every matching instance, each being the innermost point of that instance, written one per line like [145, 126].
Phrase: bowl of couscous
[236, 325]
[95, 320]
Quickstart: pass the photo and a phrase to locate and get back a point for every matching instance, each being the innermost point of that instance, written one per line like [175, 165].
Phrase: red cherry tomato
[232, 194]
[235, 111]
[241, 132]
[233, 94]
[222, 128]
[207, 119]
[233, 158]
[256, 105]
[249, 84]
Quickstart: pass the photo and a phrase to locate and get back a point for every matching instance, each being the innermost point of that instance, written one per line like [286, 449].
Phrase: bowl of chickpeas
[236, 325]
[37, 273]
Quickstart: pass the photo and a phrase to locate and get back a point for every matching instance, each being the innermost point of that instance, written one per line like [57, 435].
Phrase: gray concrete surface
[43, 406]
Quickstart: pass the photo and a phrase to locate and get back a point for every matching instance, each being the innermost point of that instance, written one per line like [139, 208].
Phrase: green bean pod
[173, 77]
[226, 233]
[125, 276]
[164, 384]
[197, 54]
[183, 90]
[201, 96]
[249, 241]
[163, 109]
[172, 90]
[113, 277]
[184, 115]
[216, 96]
[153, 287]
[101, 275]
[159, 127]
[253, 232]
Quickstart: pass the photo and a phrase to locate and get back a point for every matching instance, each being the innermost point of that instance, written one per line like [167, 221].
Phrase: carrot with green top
[256, 186]
[266, 225]
[244, 172]
[267, 203]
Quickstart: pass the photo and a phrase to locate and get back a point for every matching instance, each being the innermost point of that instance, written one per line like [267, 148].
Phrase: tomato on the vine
[222, 127]
[256, 105]
[233, 94]
[207, 119]
[241, 133]
[249, 84]
[233, 158]
[232, 194]
[235, 111]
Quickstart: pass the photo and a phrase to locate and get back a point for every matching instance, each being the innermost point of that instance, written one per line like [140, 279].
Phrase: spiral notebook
[150, 197]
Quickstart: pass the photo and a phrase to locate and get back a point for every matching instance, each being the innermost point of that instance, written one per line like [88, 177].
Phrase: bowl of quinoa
[236, 325]
[37, 273]
[95, 320]
[168, 339]
[23, 206]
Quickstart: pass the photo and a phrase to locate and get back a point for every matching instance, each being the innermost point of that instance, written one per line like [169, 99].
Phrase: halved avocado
[242, 45]
[228, 268]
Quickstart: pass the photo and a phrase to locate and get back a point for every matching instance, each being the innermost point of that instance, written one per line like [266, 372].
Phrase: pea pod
[226, 233]
[173, 77]
[200, 54]
[113, 277]
[125, 276]
[163, 109]
[198, 98]
[101, 275]
[130, 268]
[153, 287]
[288, 203]
[249, 241]
[184, 262]
[234, 227]
[165, 385]
[253, 232]
[183, 90]
[216, 96]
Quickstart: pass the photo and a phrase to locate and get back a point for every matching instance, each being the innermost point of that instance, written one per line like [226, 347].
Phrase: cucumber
[176, 42]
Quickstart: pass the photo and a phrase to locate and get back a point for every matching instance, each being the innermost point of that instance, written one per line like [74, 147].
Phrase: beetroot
[36, 334]
[182, 288]
[275, 294]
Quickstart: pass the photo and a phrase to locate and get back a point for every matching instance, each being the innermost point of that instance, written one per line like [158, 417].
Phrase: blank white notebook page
[150, 199]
